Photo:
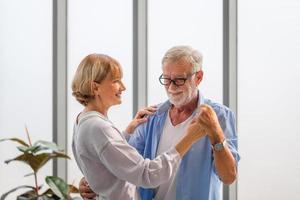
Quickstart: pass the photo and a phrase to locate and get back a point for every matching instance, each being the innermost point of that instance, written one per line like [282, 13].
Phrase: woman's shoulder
[99, 127]
[95, 132]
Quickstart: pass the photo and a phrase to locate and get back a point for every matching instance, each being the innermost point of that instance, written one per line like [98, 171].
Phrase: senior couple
[183, 148]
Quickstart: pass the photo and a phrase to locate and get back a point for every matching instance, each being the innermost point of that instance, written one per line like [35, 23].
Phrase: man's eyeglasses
[176, 81]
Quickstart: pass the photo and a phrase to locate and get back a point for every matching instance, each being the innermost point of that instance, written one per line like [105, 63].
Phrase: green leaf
[48, 192]
[25, 198]
[15, 140]
[58, 186]
[14, 189]
[45, 197]
[50, 195]
[60, 155]
[23, 158]
[29, 195]
[22, 148]
[32, 149]
[37, 161]
[45, 145]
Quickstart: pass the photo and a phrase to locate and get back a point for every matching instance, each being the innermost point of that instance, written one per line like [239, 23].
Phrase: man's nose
[172, 86]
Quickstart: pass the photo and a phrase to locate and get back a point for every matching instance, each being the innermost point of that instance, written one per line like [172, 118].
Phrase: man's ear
[199, 77]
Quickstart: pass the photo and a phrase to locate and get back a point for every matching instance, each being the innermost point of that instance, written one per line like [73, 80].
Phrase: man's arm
[224, 160]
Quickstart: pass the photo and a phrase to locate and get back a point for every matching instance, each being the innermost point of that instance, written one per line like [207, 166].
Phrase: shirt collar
[89, 114]
[162, 108]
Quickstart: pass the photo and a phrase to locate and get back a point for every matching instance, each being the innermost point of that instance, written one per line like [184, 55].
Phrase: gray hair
[191, 55]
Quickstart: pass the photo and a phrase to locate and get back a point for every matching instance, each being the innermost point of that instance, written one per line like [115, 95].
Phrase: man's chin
[176, 103]
[175, 98]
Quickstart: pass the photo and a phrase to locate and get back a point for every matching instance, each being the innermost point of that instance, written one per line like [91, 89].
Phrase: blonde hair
[93, 68]
[191, 55]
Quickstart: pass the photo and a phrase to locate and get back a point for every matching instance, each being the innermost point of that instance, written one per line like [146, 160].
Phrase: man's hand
[85, 191]
[209, 121]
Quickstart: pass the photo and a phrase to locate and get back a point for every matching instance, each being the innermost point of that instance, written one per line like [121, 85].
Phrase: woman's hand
[209, 121]
[205, 123]
[195, 129]
[140, 117]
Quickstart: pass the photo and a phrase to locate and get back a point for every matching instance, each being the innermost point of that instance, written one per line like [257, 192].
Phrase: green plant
[36, 156]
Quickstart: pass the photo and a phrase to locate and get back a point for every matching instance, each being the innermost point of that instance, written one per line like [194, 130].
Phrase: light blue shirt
[196, 178]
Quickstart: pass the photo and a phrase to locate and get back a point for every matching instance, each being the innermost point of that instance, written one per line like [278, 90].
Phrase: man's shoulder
[162, 108]
[154, 118]
[219, 108]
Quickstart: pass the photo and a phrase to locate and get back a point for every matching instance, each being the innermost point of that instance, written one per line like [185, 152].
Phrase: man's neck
[191, 106]
[180, 114]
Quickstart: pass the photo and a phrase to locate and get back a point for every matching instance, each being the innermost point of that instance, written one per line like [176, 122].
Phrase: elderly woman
[111, 166]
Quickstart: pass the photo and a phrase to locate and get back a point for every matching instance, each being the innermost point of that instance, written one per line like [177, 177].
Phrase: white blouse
[111, 166]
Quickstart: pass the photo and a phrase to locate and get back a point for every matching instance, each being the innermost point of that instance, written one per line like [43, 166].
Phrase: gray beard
[185, 99]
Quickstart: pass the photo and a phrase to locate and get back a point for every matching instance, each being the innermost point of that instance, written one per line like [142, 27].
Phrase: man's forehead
[183, 74]
[181, 62]
[176, 70]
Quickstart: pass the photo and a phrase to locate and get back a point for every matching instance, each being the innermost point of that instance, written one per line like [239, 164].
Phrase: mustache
[175, 91]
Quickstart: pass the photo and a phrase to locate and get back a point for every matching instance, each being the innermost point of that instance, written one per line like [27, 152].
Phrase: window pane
[25, 84]
[269, 96]
[198, 23]
[101, 27]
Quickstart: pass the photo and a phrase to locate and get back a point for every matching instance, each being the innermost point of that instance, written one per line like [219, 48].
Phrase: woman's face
[110, 91]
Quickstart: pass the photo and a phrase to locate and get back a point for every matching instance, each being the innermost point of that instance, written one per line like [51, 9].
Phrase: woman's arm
[140, 117]
[127, 164]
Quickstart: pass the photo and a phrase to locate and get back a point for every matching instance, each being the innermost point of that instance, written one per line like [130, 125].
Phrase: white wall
[99, 26]
[25, 83]
[198, 23]
[268, 99]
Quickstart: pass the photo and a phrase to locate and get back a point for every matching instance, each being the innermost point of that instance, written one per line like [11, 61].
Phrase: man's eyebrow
[178, 76]
[181, 76]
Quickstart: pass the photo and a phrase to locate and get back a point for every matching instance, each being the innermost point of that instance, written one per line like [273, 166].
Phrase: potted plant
[36, 155]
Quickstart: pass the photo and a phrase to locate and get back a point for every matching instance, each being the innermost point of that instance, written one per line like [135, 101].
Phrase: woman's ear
[95, 87]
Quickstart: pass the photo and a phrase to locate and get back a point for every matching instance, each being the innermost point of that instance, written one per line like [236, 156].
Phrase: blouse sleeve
[127, 164]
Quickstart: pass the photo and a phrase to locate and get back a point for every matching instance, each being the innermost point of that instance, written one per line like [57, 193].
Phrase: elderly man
[211, 160]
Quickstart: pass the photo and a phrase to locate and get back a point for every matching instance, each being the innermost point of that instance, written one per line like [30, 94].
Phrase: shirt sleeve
[228, 125]
[137, 139]
[126, 135]
[127, 164]
[229, 128]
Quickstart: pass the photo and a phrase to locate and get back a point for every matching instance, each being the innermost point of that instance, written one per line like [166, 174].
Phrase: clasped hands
[205, 123]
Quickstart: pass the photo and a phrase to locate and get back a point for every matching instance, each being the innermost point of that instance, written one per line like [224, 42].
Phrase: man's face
[180, 95]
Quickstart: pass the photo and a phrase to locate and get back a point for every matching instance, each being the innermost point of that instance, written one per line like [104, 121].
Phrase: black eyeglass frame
[161, 80]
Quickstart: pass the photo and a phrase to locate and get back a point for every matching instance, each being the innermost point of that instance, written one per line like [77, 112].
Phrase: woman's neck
[93, 106]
